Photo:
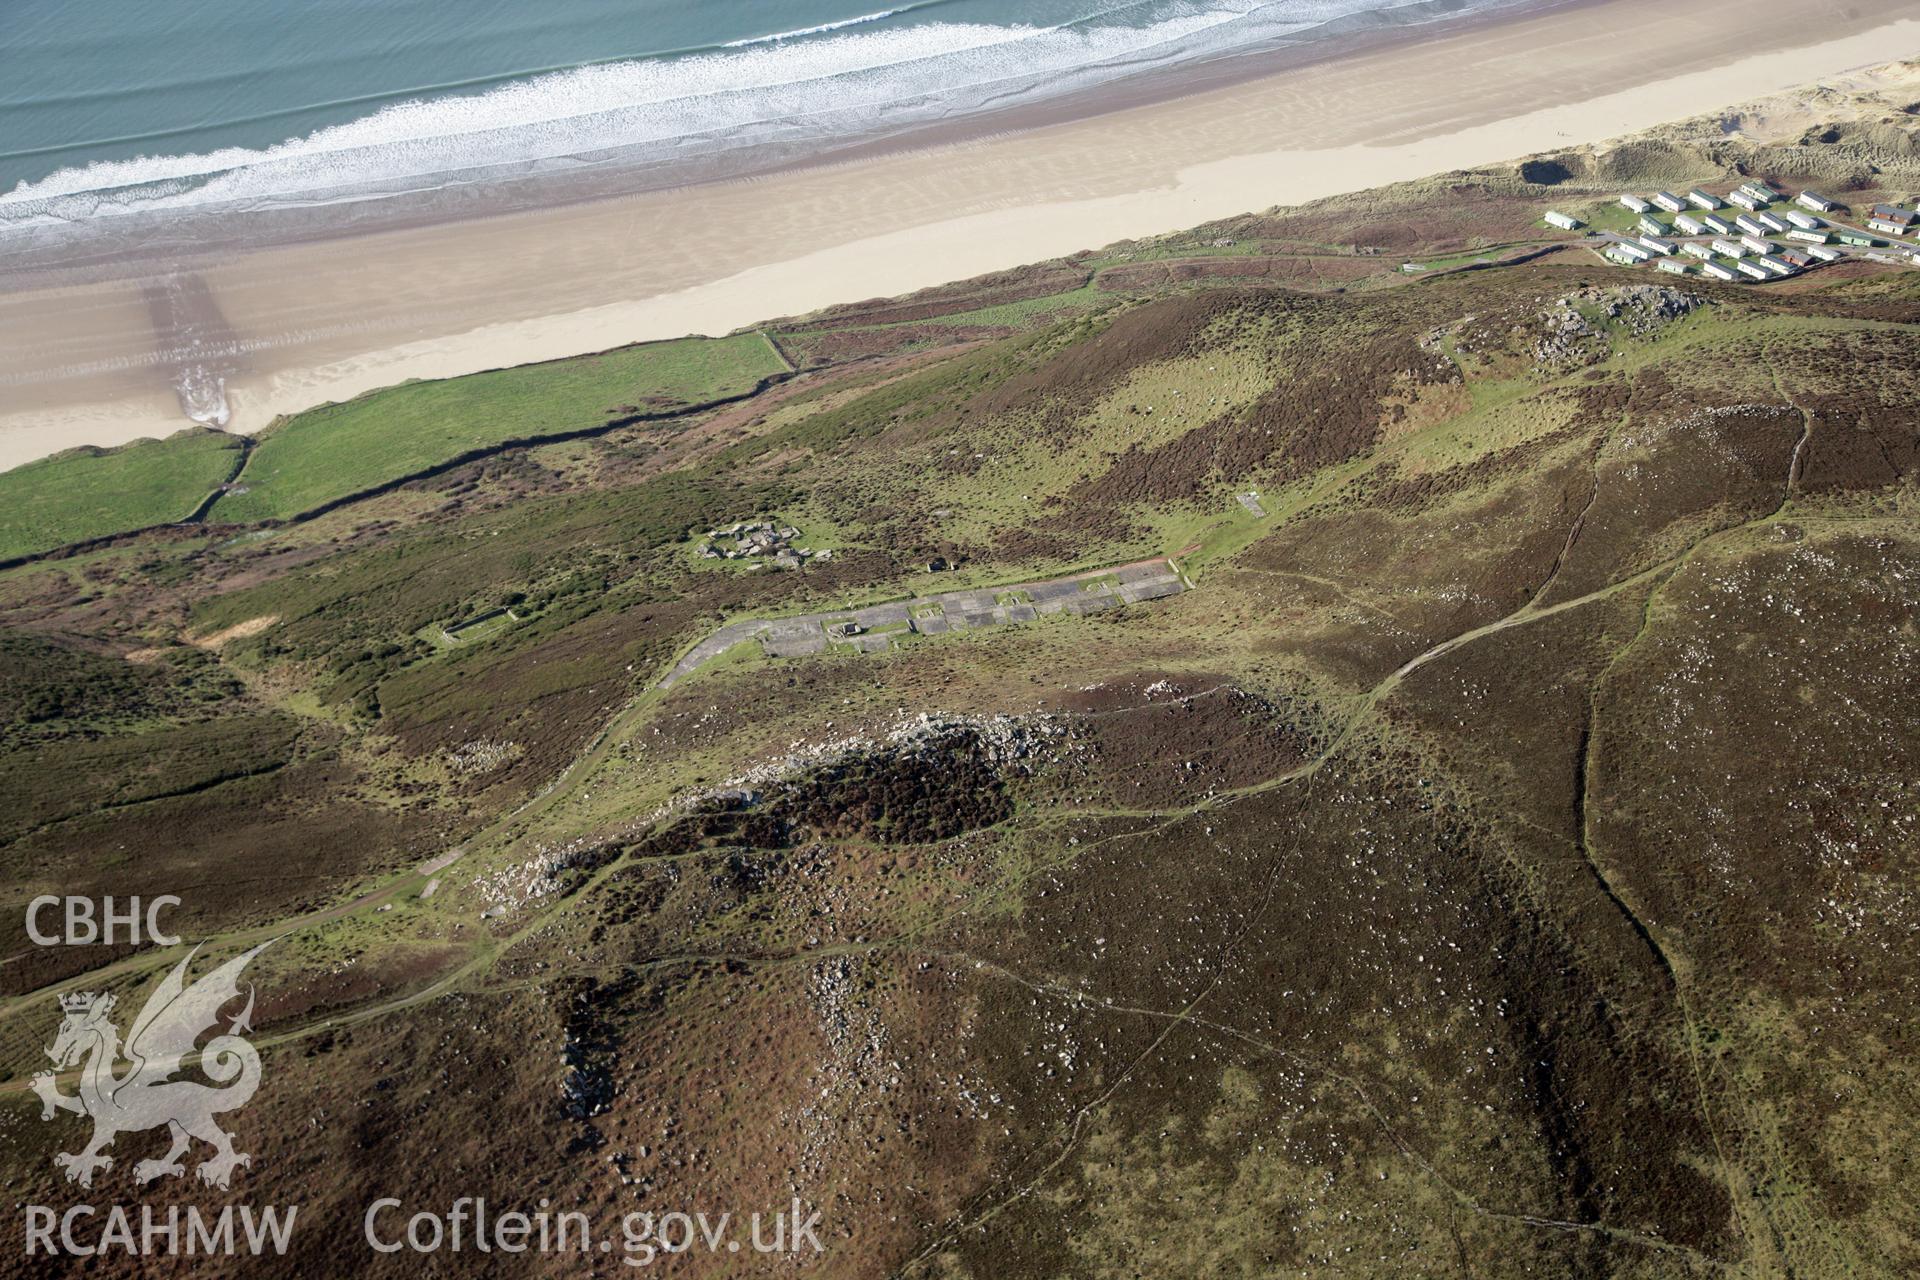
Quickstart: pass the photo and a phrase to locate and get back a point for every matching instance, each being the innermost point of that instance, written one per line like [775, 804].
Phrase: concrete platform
[947, 612]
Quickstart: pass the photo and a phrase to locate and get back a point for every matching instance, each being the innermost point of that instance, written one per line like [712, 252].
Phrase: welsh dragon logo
[144, 1096]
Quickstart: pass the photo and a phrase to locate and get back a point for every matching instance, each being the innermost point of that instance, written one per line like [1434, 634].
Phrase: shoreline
[328, 319]
[104, 256]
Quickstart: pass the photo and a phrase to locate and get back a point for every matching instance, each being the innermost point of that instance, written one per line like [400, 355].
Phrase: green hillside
[1270, 765]
[322, 455]
[91, 493]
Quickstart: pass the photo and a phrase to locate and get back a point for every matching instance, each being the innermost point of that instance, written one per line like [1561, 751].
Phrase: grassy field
[330, 452]
[1048, 307]
[91, 494]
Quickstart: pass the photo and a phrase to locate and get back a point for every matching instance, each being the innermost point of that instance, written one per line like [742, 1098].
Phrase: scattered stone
[762, 541]
[1574, 336]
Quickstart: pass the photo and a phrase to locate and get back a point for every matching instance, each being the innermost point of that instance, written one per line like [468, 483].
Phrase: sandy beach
[328, 320]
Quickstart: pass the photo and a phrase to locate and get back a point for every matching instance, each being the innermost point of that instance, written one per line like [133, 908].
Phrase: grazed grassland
[94, 493]
[324, 454]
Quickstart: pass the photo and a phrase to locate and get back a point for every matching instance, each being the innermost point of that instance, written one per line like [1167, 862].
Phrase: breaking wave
[794, 90]
[820, 30]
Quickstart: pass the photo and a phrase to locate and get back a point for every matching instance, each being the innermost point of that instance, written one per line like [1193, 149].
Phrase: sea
[153, 114]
